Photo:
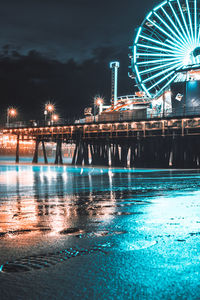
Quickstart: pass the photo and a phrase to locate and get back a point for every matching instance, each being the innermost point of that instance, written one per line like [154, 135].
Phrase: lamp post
[54, 118]
[45, 117]
[98, 102]
[11, 113]
[49, 109]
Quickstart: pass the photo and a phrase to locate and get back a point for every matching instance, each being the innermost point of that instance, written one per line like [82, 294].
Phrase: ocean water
[28, 159]
[99, 233]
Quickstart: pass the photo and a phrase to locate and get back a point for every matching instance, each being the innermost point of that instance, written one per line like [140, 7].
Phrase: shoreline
[3, 163]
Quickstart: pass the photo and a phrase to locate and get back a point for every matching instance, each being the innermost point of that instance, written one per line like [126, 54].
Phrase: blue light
[135, 50]
[190, 21]
[165, 42]
[157, 42]
[138, 74]
[149, 15]
[175, 27]
[144, 88]
[184, 21]
[138, 34]
[155, 48]
[164, 31]
[156, 54]
[179, 23]
[195, 19]
[171, 30]
[163, 72]
[159, 6]
[156, 68]
[149, 62]
[161, 80]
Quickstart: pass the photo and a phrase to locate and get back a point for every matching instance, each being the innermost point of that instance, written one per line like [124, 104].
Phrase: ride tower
[114, 66]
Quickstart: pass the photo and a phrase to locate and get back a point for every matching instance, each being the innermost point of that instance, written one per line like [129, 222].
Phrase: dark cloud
[69, 28]
[61, 49]
[29, 81]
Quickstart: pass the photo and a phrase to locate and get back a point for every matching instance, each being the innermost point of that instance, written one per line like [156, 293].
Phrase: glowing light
[138, 34]
[55, 118]
[12, 112]
[49, 107]
[170, 46]
[168, 93]
[99, 101]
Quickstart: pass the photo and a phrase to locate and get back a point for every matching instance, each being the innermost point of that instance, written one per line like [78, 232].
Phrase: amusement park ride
[158, 126]
[165, 63]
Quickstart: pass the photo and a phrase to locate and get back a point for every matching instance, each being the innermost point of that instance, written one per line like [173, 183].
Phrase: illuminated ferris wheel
[167, 41]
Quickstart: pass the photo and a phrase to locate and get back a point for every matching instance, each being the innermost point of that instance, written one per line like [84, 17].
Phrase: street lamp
[11, 113]
[98, 101]
[54, 118]
[45, 116]
[49, 109]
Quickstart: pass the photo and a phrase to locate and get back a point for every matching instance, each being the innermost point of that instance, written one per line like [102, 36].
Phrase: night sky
[60, 50]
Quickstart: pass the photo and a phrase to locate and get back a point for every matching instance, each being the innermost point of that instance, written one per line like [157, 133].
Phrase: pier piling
[17, 150]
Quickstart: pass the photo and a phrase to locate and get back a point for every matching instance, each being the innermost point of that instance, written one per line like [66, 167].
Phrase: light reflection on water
[147, 222]
[51, 199]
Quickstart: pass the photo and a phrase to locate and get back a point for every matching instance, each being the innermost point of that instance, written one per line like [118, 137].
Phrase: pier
[154, 143]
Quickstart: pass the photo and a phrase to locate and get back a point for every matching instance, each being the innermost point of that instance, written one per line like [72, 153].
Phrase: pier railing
[113, 118]
[158, 142]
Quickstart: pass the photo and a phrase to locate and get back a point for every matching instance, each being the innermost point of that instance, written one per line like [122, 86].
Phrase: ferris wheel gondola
[167, 41]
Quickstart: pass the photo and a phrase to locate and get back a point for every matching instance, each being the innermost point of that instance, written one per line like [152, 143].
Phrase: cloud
[28, 81]
[69, 28]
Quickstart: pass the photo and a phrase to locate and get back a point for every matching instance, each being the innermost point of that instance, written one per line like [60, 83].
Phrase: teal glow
[157, 68]
[170, 81]
[184, 21]
[179, 23]
[165, 42]
[138, 74]
[159, 6]
[170, 29]
[155, 48]
[135, 50]
[156, 54]
[162, 79]
[149, 62]
[195, 20]
[162, 30]
[146, 91]
[173, 24]
[190, 21]
[198, 36]
[149, 15]
[138, 34]
[155, 41]
[163, 72]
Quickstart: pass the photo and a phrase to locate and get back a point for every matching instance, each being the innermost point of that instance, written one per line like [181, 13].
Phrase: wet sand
[98, 233]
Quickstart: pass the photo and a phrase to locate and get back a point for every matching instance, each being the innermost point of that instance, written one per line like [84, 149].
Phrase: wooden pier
[156, 143]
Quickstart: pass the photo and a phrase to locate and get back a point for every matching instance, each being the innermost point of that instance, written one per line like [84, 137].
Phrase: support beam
[44, 152]
[60, 153]
[35, 156]
[124, 155]
[75, 153]
[85, 154]
[17, 150]
[58, 158]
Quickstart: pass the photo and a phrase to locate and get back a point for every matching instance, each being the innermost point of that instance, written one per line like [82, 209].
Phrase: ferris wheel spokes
[167, 41]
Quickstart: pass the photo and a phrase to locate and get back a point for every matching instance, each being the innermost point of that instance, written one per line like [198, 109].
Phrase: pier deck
[146, 143]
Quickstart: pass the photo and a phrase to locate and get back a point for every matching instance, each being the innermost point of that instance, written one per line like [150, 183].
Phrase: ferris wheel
[167, 41]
